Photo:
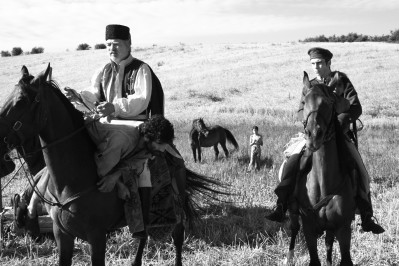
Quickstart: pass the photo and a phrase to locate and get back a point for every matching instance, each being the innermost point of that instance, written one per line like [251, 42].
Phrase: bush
[362, 38]
[5, 53]
[320, 38]
[354, 37]
[100, 46]
[37, 50]
[16, 51]
[83, 46]
[394, 36]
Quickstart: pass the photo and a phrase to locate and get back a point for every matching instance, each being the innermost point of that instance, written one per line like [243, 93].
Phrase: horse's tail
[231, 138]
[200, 188]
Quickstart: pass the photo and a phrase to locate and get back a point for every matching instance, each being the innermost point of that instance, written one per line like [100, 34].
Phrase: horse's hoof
[136, 263]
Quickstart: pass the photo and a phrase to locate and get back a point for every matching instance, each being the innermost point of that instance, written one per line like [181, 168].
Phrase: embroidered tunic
[113, 84]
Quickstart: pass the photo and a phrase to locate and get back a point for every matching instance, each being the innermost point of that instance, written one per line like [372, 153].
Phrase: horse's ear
[42, 76]
[24, 72]
[306, 82]
[337, 84]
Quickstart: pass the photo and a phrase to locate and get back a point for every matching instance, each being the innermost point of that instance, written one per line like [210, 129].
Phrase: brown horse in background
[203, 136]
[325, 197]
[37, 107]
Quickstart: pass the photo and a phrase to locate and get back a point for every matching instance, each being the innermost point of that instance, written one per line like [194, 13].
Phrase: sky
[58, 25]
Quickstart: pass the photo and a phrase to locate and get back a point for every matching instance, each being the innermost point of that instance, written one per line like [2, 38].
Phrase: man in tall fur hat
[125, 92]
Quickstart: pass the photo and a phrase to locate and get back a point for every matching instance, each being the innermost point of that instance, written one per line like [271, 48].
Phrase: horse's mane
[197, 122]
[17, 93]
[322, 90]
[76, 115]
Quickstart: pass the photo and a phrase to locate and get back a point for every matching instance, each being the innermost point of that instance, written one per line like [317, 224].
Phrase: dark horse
[326, 197]
[37, 107]
[203, 136]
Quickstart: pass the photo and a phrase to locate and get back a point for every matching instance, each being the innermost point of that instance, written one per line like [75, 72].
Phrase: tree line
[38, 50]
[393, 37]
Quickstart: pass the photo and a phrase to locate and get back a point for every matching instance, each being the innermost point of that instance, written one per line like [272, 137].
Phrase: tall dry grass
[237, 86]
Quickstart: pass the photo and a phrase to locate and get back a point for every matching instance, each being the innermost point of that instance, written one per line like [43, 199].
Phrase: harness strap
[70, 199]
[61, 205]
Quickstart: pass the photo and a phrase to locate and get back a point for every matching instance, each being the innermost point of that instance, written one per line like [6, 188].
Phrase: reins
[327, 137]
[16, 129]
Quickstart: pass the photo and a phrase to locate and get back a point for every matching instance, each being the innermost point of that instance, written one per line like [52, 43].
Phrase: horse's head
[200, 126]
[319, 111]
[18, 116]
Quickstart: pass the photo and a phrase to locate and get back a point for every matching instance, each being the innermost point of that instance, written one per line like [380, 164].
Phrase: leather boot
[20, 211]
[368, 225]
[366, 214]
[278, 214]
[297, 164]
[145, 197]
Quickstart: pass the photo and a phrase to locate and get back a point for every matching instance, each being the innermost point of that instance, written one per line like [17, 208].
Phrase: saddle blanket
[294, 146]
[163, 207]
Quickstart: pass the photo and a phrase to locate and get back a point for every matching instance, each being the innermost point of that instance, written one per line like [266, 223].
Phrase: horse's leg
[226, 151]
[294, 226]
[215, 148]
[311, 242]
[194, 149]
[178, 240]
[329, 246]
[343, 235]
[65, 244]
[140, 250]
[97, 242]
[199, 153]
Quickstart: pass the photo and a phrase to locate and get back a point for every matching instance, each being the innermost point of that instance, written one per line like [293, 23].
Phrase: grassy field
[238, 86]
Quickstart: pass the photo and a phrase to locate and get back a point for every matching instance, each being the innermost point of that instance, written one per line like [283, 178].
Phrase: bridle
[330, 124]
[16, 129]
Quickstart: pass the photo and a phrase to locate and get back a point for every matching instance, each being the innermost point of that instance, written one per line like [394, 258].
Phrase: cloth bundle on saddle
[117, 149]
[348, 154]
[163, 209]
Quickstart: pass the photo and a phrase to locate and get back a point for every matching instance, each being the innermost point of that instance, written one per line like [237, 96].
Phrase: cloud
[66, 23]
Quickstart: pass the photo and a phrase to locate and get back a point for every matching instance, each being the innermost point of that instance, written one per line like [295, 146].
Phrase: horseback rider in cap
[300, 163]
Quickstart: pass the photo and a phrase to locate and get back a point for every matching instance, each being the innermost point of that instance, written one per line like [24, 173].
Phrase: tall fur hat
[115, 31]
[320, 53]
